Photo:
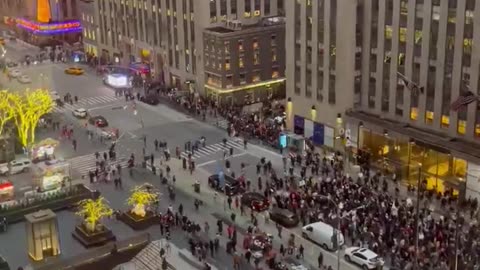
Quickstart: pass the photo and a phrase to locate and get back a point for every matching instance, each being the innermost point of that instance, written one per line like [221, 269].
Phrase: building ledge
[433, 139]
[220, 90]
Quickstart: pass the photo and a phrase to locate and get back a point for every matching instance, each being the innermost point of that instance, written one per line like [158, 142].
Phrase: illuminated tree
[6, 110]
[29, 107]
[92, 211]
[141, 197]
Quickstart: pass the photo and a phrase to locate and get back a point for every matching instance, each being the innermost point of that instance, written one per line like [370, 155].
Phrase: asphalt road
[159, 122]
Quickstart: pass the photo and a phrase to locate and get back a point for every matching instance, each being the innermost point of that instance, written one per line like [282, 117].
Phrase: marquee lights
[50, 28]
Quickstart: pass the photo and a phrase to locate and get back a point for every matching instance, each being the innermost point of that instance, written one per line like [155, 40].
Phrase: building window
[243, 78]
[229, 83]
[255, 44]
[227, 64]
[275, 73]
[256, 58]
[213, 80]
[248, 9]
[274, 54]
[241, 63]
[240, 46]
[226, 44]
[256, 77]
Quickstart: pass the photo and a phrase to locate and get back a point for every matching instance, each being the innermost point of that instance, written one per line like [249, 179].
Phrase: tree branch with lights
[6, 110]
[141, 196]
[92, 211]
[29, 107]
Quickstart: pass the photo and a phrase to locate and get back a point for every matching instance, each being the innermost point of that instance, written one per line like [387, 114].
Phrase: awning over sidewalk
[457, 146]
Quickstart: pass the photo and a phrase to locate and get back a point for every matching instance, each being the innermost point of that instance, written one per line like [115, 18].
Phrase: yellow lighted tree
[6, 110]
[141, 197]
[92, 211]
[29, 107]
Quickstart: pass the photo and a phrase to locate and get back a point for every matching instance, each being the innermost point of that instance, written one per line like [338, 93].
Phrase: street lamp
[338, 208]
[417, 214]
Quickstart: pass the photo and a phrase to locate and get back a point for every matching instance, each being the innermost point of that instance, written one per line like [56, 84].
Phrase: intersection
[150, 122]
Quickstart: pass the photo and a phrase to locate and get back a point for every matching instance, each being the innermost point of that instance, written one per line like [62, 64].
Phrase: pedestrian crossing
[213, 149]
[84, 164]
[86, 103]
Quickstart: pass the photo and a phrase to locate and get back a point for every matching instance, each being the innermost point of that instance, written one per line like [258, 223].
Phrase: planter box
[95, 239]
[17, 214]
[139, 223]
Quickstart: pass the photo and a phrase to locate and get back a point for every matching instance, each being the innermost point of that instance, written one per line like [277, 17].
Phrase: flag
[463, 100]
[413, 87]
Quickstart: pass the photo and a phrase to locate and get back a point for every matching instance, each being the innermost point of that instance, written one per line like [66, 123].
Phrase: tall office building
[168, 34]
[413, 133]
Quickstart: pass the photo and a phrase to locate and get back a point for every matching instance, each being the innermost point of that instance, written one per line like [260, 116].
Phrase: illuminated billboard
[50, 28]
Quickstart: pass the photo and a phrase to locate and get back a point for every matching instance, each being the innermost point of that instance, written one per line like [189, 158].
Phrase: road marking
[101, 107]
[133, 136]
[213, 161]
[25, 188]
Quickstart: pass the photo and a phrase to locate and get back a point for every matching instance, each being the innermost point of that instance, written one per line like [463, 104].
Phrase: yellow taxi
[74, 71]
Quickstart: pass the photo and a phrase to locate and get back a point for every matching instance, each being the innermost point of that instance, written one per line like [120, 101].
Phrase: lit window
[256, 58]
[256, 77]
[428, 117]
[168, 12]
[255, 44]
[413, 113]
[462, 126]
[275, 74]
[477, 130]
[240, 62]
[240, 46]
[445, 121]
[227, 64]
[274, 55]
[227, 47]
[388, 32]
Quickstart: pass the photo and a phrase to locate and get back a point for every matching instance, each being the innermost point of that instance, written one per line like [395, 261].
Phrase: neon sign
[50, 28]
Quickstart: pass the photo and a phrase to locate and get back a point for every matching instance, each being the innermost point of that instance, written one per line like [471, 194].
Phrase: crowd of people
[314, 188]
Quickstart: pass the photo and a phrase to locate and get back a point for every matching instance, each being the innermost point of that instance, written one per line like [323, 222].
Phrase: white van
[323, 235]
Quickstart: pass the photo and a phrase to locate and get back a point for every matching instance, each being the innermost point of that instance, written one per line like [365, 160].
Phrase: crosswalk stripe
[212, 149]
[86, 163]
[83, 102]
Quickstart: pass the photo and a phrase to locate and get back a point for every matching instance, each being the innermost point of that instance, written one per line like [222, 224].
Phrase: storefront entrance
[412, 160]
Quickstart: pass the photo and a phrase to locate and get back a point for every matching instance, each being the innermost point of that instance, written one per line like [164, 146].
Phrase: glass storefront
[438, 168]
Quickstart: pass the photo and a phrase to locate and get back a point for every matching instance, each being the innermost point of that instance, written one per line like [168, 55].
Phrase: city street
[134, 123]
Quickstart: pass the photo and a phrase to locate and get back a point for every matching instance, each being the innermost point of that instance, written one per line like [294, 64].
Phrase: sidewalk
[207, 196]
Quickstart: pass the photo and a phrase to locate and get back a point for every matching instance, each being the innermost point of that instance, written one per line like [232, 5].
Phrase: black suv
[232, 186]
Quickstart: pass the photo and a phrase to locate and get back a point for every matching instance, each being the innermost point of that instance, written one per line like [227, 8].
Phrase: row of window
[216, 81]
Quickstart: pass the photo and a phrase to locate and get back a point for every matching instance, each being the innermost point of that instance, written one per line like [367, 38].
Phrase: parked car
[15, 166]
[80, 113]
[151, 99]
[98, 121]
[14, 73]
[24, 79]
[323, 234]
[284, 217]
[256, 201]
[363, 257]
[232, 185]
